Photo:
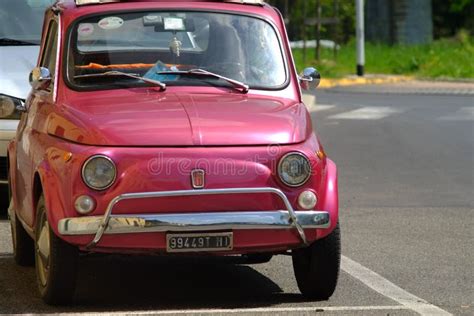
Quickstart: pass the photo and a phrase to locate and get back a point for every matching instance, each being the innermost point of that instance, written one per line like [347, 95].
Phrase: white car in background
[21, 23]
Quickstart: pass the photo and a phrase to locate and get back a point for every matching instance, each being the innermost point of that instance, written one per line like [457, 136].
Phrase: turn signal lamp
[307, 200]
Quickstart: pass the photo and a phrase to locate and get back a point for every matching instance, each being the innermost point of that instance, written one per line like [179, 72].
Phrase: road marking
[383, 286]
[322, 107]
[366, 113]
[249, 310]
[309, 100]
[463, 114]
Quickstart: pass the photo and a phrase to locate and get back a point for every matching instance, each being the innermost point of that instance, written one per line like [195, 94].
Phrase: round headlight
[99, 172]
[294, 169]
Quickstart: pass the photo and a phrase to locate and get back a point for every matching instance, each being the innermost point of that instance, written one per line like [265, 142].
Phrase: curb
[368, 80]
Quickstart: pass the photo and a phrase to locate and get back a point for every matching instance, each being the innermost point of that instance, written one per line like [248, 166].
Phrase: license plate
[199, 242]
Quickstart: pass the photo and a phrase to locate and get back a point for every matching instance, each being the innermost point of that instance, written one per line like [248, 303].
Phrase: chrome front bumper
[189, 222]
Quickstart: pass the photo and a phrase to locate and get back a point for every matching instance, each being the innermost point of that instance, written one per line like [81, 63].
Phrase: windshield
[149, 44]
[21, 21]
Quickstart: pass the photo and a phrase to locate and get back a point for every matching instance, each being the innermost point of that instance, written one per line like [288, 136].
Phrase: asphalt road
[406, 166]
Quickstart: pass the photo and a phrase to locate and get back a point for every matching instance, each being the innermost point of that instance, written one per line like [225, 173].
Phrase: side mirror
[40, 78]
[310, 79]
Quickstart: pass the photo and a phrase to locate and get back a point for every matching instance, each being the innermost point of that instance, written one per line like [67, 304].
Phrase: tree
[449, 16]
[298, 8]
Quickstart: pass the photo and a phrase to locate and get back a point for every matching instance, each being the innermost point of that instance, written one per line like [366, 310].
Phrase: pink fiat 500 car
[170, 128]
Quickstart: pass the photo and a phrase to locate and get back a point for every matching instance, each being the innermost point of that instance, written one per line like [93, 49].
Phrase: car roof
[245, 2]
[70, 11]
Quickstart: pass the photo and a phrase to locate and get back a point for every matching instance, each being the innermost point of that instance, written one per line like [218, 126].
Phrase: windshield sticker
[85, 29]
[111, 23]
[174, 24]
[151, 20]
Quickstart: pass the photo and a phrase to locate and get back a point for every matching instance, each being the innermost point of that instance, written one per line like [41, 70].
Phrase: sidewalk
[397, 85]
[367, 79]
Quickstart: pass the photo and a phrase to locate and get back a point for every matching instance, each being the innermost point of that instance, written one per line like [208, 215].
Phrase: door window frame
[52, 34]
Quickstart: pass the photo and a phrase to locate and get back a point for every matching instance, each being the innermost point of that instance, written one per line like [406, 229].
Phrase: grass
[442, 59]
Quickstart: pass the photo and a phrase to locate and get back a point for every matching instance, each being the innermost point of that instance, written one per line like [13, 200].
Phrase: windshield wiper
[124, 74]
[5, 41]
[244, 88]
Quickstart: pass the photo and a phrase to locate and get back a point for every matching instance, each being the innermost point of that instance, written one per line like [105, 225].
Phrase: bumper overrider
[191, 222]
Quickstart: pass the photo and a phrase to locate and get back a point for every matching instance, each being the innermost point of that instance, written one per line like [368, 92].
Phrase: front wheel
[317, 266]
[56, 262]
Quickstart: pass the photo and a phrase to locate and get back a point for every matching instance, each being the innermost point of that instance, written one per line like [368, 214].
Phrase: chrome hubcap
[43, 251]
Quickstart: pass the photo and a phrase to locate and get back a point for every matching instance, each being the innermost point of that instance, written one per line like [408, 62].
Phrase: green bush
[446, 58]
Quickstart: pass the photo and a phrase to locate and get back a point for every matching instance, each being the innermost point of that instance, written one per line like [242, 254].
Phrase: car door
[28, 146]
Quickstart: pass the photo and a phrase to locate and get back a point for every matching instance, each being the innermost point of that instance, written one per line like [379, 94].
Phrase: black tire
[23, 246]
[317, 266]
[56, 273]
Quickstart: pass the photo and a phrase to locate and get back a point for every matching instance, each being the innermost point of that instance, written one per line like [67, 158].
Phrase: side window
[48, 59]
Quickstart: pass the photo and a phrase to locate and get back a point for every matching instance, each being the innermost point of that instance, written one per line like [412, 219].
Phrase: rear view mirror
[169, 23]
[40, 78]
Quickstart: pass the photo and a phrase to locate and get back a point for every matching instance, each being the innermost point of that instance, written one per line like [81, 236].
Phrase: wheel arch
[45, 184]
[37, 190]
[331, 197]
[10, 176]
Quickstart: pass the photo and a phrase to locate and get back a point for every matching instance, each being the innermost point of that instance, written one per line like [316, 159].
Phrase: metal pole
[303, 25]
[360, 37]
[336, 27]
[318, 30]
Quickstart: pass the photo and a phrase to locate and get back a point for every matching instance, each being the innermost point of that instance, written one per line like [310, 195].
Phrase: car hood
[17, 62]
[168, 119]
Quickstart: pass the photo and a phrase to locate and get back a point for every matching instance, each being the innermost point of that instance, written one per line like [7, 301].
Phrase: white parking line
[249, 310]
[322, 107]
[309, 100]
[367, 113]
[390, 290]
[463, 114]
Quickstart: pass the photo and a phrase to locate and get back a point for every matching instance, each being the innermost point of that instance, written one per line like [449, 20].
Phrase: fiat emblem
[197, 178]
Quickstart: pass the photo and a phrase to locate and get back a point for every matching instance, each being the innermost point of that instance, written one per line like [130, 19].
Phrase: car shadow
[3, 202]
[124, 283]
